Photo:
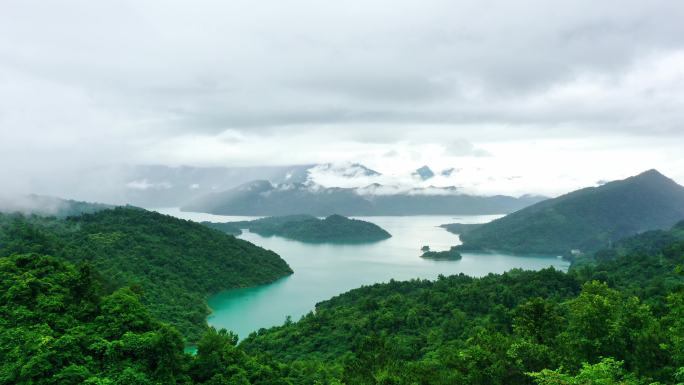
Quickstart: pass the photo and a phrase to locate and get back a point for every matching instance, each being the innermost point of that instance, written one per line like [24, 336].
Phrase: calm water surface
[322, 271]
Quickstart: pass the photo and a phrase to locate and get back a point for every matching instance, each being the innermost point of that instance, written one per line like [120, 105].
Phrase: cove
[322, 271]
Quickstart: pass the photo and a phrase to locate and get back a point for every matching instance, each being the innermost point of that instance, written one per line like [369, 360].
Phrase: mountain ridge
[267, 199]
[585, 220]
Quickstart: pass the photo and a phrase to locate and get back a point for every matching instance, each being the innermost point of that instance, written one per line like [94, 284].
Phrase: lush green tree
[604, 323]
[606, 372]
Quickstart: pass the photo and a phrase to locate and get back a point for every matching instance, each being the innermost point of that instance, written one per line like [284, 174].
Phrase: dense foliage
[57, 329]
[307, 228]
[445, 255]
[521, 327]
[176, 263]
[643, 265]
[585, 220]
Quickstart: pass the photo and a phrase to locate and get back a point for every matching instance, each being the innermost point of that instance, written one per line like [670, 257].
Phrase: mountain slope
[175, 263]
[266, 199]
[639, 263]
[586, 219]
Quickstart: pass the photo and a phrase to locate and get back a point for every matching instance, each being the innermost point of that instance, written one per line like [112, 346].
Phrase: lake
[322, 271]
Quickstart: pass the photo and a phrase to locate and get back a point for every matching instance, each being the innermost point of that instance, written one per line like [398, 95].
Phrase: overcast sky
[558, 93]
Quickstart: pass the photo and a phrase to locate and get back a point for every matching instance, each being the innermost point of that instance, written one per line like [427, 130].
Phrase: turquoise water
[322, 271]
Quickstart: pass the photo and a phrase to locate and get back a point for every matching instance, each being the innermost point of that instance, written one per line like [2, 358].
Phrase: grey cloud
[102, 83]
[27, 204]
[385, 87]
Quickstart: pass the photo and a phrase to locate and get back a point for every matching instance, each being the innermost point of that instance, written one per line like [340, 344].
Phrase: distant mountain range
[314, 189]
[350, 189]
[584, 220]
[165, 186]
[270, 199]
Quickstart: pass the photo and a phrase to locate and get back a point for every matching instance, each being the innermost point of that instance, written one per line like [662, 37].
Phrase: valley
[322, 271]
[202, 304]
[341, 192]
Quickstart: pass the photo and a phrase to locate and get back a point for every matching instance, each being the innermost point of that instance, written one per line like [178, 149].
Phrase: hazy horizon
[526, 98]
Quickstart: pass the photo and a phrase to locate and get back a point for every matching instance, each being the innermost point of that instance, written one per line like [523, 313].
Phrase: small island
[306, 228]
[447, 255]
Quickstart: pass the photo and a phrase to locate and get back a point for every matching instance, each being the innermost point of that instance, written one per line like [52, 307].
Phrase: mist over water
[322, 271]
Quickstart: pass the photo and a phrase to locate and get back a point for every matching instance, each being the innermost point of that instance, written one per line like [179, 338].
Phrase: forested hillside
[307, 228]
[176, 264]
[56, 328]
[585, 220]
[616, 318]
[644, 265]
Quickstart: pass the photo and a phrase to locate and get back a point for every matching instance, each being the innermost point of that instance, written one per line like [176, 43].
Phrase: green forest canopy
[176, 263]
[57, 328]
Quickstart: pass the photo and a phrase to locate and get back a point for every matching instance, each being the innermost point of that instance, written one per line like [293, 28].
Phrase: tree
[607, 372]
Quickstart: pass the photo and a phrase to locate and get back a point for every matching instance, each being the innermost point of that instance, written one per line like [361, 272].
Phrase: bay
[322, 271]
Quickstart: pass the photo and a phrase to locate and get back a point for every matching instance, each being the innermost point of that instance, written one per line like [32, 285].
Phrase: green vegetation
[447, 255]
[268, 226]
[307, 228]
[87, 314]
[641, 265]
[617, 321]
[176, 264]
[585, 220]
[608, 371]
[56, 328]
